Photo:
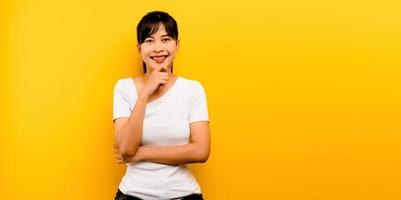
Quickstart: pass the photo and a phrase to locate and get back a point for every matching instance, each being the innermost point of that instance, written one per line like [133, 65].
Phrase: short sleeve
[121, 106]
[198, 108]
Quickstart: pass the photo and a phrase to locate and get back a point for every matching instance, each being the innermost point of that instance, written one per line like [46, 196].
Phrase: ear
[178, 44]
[139, 47]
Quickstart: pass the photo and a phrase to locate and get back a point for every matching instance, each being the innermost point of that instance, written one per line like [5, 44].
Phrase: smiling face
[158, 49]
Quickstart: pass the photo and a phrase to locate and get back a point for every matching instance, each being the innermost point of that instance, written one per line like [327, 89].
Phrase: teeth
[158, 58]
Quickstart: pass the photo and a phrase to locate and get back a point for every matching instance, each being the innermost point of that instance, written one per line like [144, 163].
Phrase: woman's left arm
[196, 151]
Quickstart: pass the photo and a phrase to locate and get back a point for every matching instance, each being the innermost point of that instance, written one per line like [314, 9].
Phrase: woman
[161, 120]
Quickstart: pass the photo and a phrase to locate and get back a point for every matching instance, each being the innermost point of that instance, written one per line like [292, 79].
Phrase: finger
[162, 82]
[117, 156]
[165, 65]
[163, 74]
[159, 68]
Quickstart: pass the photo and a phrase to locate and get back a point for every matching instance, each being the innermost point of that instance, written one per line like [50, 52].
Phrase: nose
[158, 46]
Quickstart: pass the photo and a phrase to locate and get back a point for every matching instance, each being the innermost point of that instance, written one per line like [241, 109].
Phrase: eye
[166, 39]
[148, 40]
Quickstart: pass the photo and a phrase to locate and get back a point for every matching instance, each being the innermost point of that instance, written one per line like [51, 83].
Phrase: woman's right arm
[128, 131]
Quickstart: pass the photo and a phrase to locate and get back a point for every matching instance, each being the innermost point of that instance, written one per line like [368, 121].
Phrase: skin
[156, 82]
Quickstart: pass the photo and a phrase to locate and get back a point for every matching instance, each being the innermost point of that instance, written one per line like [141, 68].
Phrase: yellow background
[304, 96]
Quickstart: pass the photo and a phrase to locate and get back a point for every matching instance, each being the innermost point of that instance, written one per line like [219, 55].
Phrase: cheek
[145, 54]
[173, 51]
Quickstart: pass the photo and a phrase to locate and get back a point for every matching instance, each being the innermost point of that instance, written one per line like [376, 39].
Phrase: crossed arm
[196, 151]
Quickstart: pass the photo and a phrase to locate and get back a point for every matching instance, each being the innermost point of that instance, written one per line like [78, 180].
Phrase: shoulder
[191, 84]
[194, 88]
[123, 83]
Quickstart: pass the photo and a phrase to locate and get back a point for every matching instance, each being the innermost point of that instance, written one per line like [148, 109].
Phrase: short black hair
[149, 24]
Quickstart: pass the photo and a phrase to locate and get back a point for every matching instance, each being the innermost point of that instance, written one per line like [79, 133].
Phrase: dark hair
[149, 24]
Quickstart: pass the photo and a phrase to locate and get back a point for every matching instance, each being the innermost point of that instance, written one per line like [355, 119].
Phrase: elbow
[203, 160]
[201, 152]
[203, 156]
[125, 150]
[128, 152]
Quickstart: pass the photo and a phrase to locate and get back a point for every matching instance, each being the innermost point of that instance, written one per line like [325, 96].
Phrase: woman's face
[158, 49]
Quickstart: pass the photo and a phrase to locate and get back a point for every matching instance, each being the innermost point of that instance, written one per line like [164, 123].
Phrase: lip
[159, 58]
[164, 55]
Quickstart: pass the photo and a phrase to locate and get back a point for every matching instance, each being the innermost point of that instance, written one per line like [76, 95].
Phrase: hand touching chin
[163, 64]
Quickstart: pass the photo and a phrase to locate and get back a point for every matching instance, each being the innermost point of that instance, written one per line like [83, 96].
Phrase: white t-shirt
[166, 123]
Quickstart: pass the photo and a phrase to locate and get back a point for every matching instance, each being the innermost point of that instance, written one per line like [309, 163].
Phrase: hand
[121, 159]
[158, 77]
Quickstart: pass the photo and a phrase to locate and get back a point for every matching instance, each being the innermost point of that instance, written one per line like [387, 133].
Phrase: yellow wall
[304, 96]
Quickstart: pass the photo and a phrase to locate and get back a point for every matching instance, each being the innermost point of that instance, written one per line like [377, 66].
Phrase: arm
[196, 151]
[128, 131]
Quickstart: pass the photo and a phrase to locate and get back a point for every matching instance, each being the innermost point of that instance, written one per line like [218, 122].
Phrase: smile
[159, 58]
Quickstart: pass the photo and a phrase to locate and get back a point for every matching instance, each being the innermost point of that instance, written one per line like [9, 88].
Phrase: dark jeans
[121, 196]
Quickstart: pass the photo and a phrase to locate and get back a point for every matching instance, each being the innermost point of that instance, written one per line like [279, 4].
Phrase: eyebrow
[161, 36]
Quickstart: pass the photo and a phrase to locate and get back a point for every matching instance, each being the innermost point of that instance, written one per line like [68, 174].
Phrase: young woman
[161, 120]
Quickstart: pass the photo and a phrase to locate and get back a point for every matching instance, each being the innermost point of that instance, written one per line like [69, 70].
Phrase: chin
[157, 65]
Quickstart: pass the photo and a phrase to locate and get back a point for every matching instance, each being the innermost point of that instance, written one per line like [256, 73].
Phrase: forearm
[129, 138]
[173, 155]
